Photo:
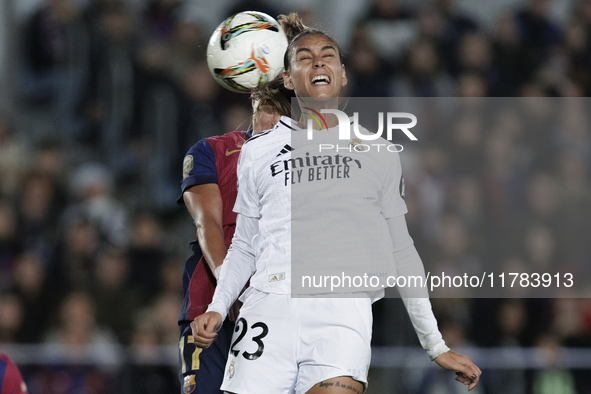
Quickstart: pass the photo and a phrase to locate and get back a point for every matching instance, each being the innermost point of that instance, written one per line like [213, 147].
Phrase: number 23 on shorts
[194, 357]
[241, 324]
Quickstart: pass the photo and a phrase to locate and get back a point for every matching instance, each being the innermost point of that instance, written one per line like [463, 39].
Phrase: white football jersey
[321, 210]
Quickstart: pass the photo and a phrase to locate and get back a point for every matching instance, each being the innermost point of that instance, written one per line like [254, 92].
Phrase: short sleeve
[392, 203]
[247, 201]
[199, 167]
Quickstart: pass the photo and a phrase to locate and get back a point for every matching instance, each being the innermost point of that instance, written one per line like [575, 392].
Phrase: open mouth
[321, 80]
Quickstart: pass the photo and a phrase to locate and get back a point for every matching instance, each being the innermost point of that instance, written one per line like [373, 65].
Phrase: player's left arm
[417, 304]
[408, 263]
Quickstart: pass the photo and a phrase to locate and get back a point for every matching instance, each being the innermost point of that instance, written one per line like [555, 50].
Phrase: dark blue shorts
[201, 370]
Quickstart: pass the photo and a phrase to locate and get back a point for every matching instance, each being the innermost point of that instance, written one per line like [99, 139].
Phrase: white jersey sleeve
[238, 266]
[392, 200]
[247, 201]
[416, 300]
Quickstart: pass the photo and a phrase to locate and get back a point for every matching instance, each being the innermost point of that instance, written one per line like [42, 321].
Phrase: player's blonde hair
[273, 94]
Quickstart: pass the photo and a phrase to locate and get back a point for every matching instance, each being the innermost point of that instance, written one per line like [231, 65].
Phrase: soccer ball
[246, 50]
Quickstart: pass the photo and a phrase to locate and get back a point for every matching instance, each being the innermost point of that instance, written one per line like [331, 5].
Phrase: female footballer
[311, 345]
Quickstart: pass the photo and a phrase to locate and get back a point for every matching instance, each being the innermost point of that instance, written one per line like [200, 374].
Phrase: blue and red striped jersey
[211, 160]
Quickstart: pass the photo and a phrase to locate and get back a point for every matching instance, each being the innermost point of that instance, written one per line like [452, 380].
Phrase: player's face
[315, 68]
[264, 118]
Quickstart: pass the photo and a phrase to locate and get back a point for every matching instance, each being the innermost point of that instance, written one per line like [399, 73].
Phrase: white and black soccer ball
[246, 50]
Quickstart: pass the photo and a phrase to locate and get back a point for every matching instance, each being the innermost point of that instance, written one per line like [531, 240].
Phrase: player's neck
[311, 109]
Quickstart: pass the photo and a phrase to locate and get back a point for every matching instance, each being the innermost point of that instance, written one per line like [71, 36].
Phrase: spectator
[443, 25]
[110, 94]
[146, 254]
[12, 154]
[475, 58]
[114, 294]
[366, 68]
[166, 309]
[10, 245]
[55, 40]
[11, 318]
[34, 289]
[49, 158]
[423, 74]
[431, 185]
[574, 199]
[511, 320]
[199, 111]
[466, 143]
[471, 85]
[153, 147]
[56, 63]
[187, 47]
[572, 130]
[391, 27]
[149, 377]
[161, 17]
[77, 325]
[577, 52]
[38, 212]
[75, 255]
[536, 29]
[93, 190]
[169, 275]
[513, 60]
[552, 379]
[500, 180]
[467, 203]
[459, 23]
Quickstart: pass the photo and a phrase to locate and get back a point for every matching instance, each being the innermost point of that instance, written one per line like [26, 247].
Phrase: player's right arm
[203, 199]
[204, 203]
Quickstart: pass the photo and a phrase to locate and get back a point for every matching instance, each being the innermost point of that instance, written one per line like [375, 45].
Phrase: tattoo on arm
[344, 386]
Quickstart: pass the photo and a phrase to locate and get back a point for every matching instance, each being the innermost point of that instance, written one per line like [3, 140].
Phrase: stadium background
[99, 100]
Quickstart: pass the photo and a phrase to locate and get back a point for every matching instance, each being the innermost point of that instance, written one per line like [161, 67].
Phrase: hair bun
[292, 25]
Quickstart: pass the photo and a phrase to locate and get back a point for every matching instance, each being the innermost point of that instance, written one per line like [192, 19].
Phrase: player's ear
[287, 80]
[344, 75]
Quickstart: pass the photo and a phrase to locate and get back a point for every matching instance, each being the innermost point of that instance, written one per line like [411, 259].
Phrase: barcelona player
[209, 192]
[11, 381]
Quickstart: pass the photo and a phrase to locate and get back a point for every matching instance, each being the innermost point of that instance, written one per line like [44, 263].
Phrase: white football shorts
[284, 345]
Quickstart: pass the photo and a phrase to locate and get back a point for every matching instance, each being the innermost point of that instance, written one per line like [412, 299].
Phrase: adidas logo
[285, 149]
[276, 277]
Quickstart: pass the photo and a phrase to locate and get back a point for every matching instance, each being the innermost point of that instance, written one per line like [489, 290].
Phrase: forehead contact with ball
[308, 32]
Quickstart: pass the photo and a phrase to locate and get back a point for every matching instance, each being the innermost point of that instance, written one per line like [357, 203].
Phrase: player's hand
[466, 371]
[234, 311]
[205, 328]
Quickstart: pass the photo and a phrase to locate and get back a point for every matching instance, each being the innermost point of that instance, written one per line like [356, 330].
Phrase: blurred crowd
[92, 243]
